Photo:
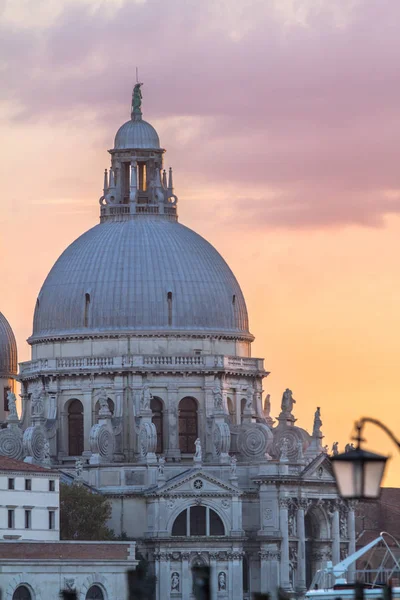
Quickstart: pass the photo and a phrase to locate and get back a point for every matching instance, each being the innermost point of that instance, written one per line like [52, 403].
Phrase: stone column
[237, 575]
[283, 525]
[301, 550]
[335, 535]
[269, 577]
[87, 419]
[186, 576]
[351, 529]
[173, 452]
[214, 576]
[165, 577]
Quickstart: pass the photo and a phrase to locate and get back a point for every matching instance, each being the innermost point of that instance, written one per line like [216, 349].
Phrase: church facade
[141, 378]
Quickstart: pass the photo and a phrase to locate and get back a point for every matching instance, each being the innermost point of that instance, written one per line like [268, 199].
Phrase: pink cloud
[309, 113]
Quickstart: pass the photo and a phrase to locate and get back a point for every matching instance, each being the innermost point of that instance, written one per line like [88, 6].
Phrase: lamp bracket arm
[360, 424]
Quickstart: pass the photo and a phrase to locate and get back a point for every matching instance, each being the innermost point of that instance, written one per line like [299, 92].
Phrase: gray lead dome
[8, 349]
[136, 134]
[142, 274]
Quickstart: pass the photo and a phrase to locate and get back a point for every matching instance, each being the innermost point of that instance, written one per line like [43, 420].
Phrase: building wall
[39, 500]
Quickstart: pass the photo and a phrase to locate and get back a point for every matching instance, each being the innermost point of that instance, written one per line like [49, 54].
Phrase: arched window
[169, 300]
[75, 428]
[22, 593]
[198, 520]
[187, 425]
[95, 593]
[157, 407]
[87, 308]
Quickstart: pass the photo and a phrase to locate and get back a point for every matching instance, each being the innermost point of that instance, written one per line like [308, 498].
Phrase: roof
[140, 275]
[8, 349]
[382, 515]
[11, 464]
[136, 134]
[66, 550]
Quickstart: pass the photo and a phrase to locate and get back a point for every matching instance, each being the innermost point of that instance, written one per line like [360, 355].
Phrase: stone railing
[146, 361]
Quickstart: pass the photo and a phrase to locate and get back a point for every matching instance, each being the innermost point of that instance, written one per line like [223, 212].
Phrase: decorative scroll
[11, 443]
[254, 440]
[35, 443]
[102, 442]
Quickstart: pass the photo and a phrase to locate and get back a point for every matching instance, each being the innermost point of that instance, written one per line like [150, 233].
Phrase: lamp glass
[344, 475]
[373, 474]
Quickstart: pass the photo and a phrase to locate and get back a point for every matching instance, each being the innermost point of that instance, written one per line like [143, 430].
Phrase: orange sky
[308, 223]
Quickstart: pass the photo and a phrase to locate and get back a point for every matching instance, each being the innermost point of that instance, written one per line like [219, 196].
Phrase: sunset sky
[281, 121]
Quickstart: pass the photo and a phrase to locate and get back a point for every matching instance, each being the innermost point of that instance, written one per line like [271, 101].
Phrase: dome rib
[128, 267]
[8, 349]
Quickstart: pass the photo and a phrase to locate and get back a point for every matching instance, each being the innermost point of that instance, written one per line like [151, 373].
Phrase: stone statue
[284, 449]
[317, 422]
[78, 468]
[326, 449]
[103, 402]
[221, 581]
[233, 466]
[349, 447]
[218, 401]
[287, 401]
[267, 405]
[175, 582]
[335, 448]
[249, 398]
[12, 405]
[146, 397]
[137, 98]
[161, 465]
[37, 403]
[300, 454]
[197, 454]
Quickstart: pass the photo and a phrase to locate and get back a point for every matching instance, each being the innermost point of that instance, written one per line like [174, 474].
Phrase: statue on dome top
[137, 99]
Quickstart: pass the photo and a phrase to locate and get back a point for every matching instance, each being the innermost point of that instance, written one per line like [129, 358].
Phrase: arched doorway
[156, 406]
[22, 593]
[188, 432]
[75, 428]
[95, 593]
[316, 534]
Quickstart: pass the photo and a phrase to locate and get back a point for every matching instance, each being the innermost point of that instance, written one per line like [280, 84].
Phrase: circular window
[197, 484]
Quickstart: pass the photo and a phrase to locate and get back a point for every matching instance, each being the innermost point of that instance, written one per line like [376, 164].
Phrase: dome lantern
[136, 185]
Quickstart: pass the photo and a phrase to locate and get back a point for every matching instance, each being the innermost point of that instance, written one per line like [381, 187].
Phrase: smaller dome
[8, 349]
[136, 134]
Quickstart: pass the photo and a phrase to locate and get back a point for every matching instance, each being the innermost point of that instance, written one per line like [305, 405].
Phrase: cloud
[303, 103]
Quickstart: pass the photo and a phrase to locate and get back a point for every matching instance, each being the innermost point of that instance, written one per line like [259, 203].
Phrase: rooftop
[67, 550]
[11, 464]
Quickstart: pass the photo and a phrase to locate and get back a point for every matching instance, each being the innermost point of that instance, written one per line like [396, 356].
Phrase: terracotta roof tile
[11, 464]
[64, 550]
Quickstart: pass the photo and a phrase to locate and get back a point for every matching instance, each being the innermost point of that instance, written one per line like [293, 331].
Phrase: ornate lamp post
[359, 473]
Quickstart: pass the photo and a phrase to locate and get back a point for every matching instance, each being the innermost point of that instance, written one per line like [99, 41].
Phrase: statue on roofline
[287, 401]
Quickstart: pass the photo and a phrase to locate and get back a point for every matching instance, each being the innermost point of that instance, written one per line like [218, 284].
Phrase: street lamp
[359, 473]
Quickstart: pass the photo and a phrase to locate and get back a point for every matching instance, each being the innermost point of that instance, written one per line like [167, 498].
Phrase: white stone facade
[30, 502]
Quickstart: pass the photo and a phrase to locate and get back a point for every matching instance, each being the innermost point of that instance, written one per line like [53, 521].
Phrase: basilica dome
[146, 274]
[8, 349]
[136, 134]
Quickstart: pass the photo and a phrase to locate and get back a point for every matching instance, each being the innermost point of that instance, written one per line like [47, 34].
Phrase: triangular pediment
[319, 469]
[195, 482]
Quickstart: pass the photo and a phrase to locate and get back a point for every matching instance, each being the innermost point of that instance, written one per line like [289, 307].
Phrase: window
[169, 300]
[157, 408]
[187, 425]
[11, 484]
[28, 519]
[6, 390]
[52, 519]
[28, 485]
[95, 593]
[11, 517]
[198, 521]
[22, 593]
[75, 428]
[52, 485]
[87, 307]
